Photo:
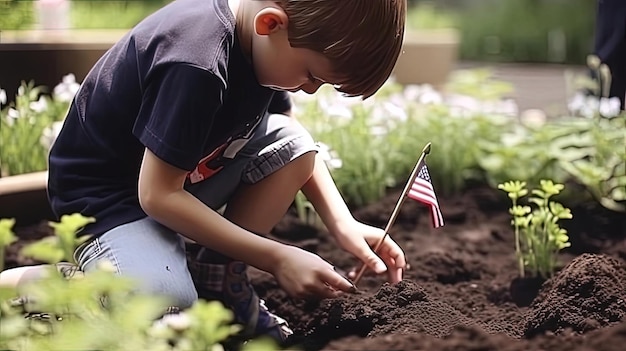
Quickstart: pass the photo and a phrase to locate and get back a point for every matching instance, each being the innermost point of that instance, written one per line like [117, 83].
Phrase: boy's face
[278, 65]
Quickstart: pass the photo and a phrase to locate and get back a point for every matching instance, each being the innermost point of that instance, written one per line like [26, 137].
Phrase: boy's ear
[270, 20]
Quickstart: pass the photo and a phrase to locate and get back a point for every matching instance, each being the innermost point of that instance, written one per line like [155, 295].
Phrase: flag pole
[396, 210]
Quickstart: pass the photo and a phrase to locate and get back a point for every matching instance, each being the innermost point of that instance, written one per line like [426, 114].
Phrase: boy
[610, 44]
[187, 113]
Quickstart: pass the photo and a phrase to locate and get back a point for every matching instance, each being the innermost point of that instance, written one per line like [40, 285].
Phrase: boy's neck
[243, 11]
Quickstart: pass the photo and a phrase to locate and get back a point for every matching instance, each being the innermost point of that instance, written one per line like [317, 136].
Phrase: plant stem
[518, 249]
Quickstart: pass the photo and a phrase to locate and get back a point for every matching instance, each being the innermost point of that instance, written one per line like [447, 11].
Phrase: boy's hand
[360, 239]
[305, 275]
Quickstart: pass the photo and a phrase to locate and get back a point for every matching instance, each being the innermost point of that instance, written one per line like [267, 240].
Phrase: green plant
[7, 237]
[533, 153]
[601, 164]
[100, 311]
[456, 143]
[379, 139]
[538, 236]
[22, 124]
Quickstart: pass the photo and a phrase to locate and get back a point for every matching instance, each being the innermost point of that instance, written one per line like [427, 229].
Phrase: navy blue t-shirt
[179, 84]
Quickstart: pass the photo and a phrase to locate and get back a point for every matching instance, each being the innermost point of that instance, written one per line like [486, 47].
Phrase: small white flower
[50, 134]
[395, 112]
[12, 115]
[412, 92]
[338, 110]
[430, 97]
[329, 156]
[3, 97]
[609, 107]
[464, 102]
[335, 106]
[66, 90]
[39, 106]
[387, 113]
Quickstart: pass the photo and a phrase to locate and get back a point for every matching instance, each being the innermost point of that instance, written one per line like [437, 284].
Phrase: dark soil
[462, 290]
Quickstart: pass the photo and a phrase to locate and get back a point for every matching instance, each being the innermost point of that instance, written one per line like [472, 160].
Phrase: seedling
[538, 236]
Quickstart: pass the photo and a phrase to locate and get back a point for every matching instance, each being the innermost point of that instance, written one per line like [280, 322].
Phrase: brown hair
[361, 38]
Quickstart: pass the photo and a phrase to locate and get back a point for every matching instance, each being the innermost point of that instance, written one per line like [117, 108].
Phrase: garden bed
[462, 290]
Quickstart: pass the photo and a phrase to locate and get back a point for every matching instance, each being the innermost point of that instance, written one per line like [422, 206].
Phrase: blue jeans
[154, 255]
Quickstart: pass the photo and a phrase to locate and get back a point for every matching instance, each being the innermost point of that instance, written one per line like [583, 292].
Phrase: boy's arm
[354, 236]
[162, 197]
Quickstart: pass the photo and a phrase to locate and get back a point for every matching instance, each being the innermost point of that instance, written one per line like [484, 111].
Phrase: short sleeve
[177, 112]
[281, 103]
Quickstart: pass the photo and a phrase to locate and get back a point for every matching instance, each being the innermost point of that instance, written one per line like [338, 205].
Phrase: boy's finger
[339, 282]
[396, 253]
[395, 275]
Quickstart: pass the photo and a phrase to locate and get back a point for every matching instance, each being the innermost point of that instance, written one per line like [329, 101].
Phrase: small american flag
[422, 191]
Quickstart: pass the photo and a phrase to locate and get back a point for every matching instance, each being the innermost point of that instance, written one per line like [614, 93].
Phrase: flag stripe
[420, 194]
[422, 190]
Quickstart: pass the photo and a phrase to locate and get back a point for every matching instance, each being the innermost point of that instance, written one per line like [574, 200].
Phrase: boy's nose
[311, 88]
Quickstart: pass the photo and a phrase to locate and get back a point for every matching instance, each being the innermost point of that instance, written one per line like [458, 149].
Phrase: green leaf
[45, 250]
[71, 224]
[7, 237]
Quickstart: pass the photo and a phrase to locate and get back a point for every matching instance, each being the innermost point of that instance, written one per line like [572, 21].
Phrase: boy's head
[351, 44]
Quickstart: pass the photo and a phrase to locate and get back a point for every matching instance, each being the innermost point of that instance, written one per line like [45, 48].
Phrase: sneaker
[25, 304]
[229, 283]
[69, 270]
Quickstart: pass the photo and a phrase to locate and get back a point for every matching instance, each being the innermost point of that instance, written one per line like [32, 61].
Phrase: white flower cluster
[590, 106]
[63, 92]
[391, 106]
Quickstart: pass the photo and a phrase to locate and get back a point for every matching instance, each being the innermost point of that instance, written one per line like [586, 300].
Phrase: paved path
[540, 86]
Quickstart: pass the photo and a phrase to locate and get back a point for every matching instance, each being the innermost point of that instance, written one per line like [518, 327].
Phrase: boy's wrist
[267, 258]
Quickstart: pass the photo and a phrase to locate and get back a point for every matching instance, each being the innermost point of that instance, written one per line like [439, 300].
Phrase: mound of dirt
[447, 268]
[404, 308]
[589, 293]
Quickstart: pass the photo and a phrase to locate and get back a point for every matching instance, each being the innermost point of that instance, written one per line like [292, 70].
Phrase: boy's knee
[289, 147]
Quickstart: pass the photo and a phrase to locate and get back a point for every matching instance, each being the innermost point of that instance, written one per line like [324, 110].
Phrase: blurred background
[556, 31]
[552, 34]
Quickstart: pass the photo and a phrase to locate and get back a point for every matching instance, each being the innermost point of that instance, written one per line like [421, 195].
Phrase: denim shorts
[153, 255]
